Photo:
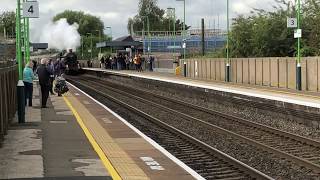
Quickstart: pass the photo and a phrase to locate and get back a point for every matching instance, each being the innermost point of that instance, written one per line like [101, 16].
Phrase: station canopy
[121, 43]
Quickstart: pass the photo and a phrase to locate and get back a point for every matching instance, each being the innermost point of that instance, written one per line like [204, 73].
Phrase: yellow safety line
[113, 172]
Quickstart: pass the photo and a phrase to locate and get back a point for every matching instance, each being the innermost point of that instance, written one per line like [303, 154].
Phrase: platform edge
[149, 140]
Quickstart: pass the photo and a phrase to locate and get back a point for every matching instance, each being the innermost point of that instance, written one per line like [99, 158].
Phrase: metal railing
[8, 98]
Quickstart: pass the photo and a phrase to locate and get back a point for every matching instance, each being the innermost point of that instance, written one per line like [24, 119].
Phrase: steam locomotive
[71, 63]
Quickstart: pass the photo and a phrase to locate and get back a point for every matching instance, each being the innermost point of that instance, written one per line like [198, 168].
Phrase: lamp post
[26, 40]
[173, 10]
[143, 36]
[4, 29]
[91, 44]
[149, 35]
[99, 39]
[109, 27]
[20, 85]
[299, 83]
[228, 58]
[82, 42]
[184, 29]
[18, 38]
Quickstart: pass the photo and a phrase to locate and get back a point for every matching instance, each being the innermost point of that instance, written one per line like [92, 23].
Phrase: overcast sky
[115, 13]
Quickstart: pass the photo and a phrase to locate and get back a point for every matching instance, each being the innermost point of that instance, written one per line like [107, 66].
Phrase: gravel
[276, 120]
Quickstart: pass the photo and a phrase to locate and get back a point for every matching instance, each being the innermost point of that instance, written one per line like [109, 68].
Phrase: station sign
[184, 45]
[31, 9]
[292, 22]
[298, 33]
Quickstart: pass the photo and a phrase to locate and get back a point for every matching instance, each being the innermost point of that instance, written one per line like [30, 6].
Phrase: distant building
[172, 42]
[122, 44]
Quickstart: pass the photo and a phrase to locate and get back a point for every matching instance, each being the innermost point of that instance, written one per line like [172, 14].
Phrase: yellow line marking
[108, 165]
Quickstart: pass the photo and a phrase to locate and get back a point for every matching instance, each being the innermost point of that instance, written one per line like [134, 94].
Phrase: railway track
[204, 159]
[298, 149]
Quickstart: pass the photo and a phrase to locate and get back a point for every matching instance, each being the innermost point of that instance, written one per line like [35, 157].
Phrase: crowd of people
[48, 70]
[125, 62]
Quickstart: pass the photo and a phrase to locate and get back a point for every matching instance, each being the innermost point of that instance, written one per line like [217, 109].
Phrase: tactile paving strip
[125, 166]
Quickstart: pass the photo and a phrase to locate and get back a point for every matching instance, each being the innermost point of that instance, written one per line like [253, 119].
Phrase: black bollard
[21, 102]
[228, 73]
[299, 79]
[185, 69]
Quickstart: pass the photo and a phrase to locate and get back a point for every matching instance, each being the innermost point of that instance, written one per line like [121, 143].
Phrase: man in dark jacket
[44, 81]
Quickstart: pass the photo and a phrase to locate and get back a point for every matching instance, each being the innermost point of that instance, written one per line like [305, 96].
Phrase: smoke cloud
[60, 35]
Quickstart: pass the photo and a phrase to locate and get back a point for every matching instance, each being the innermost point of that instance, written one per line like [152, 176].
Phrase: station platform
[77, 137]
[303, 98]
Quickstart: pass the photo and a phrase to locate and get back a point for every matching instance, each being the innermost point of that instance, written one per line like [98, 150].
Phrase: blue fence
[171, 44]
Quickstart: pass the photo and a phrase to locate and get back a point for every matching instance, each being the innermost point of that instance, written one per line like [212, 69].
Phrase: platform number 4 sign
[31, 9]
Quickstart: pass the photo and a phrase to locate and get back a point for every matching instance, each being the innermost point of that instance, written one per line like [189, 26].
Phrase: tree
[156, 16]
[87, 23]
[265, 34]
[311, 31]
[8, 23]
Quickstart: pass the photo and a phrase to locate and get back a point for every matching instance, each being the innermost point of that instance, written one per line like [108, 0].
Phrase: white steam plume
[60, 35]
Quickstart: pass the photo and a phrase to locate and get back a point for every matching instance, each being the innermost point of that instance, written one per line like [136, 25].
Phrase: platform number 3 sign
[31, 9]
[292, 22]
